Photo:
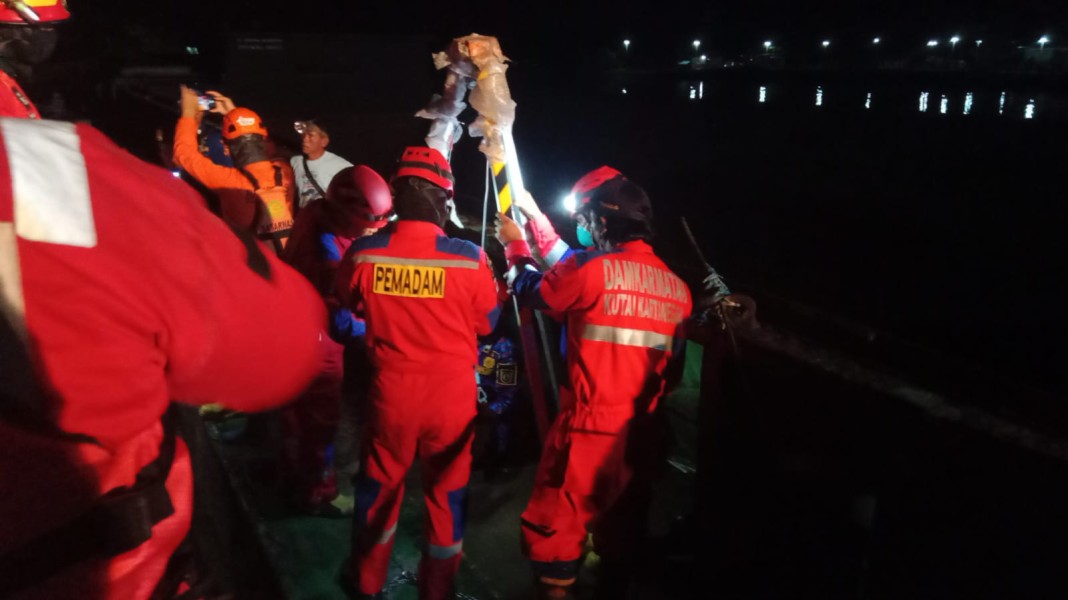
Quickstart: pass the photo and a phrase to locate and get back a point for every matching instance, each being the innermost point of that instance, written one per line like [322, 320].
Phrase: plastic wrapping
[491, 96]
[474, 60]
[444, 109]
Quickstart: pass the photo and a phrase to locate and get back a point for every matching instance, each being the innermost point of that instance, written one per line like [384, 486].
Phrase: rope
[485, 204]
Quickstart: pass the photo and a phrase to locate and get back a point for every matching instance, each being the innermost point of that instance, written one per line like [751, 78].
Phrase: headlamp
[570, 204]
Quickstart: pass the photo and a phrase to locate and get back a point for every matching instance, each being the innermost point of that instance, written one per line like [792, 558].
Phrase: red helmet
[242, 121]
[360, 194]
[428, 164]
[583, 189]
[22, 12]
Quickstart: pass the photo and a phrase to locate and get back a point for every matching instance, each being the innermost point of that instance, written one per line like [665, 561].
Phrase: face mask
[585, 239]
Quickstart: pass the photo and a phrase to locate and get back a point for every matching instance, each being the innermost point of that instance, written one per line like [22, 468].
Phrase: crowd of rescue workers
[251, 301]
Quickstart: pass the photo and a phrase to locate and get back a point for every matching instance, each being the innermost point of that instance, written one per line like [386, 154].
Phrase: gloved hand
[508, 231]
[527, 205]
[714, 288]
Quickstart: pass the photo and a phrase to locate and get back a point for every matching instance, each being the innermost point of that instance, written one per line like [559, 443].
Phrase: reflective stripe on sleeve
[640, 338]
[557, 252]
[49, 182]
[416, 262]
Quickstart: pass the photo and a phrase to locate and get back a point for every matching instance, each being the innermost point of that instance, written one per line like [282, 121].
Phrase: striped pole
[532, 331]
[501, 187]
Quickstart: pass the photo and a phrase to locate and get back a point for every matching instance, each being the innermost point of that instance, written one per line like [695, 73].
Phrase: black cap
[622, 198]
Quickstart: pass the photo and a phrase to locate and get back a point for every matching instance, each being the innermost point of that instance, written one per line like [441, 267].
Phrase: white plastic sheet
[491, 96]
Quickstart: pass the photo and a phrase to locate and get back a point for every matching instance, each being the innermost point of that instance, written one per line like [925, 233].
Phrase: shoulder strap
[251, 179]
[117, 522]
[311, 178]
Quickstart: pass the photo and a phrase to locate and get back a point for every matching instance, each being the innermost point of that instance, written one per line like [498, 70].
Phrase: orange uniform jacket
[241, 207]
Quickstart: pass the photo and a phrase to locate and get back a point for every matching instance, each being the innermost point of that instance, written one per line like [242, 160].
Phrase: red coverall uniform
[623, 309]
[425, 297]
[311, 422]
[240, 205]
[129, 294]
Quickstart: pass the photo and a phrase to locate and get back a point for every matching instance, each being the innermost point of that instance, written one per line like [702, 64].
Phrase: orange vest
[273, 220]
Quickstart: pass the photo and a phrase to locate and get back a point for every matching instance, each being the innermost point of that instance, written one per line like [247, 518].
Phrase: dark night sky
[558, 25]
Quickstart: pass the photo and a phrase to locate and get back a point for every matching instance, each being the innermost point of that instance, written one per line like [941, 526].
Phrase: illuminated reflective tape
[387, 534]
[623, 336]
[558, 250]
[416, 262]
[49, 183]
[444, 552]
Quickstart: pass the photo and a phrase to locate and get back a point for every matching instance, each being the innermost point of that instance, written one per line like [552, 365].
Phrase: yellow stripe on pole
[504, 190]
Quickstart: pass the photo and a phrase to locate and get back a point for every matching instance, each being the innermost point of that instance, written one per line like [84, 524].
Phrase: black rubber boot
[555, 580]
[553, 589]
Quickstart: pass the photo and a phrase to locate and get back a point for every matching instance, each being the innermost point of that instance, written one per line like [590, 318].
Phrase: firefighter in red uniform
[256, 194]
[425, 297]
[357, 203]
[623, 309]
[119, 292]
[26, 36]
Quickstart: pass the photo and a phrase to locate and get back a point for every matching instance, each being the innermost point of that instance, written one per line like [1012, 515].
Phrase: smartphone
[206, 102]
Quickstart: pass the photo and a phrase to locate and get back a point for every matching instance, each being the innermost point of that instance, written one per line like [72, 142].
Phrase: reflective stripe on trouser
[430, 416]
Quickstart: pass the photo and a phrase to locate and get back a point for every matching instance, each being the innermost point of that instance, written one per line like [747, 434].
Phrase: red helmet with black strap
[427, 164]
[33, 12]
[362, 196]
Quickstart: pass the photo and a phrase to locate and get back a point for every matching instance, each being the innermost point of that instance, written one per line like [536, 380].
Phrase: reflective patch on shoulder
[49, 182]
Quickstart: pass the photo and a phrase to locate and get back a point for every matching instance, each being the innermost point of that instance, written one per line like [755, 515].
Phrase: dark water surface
[933, 213]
